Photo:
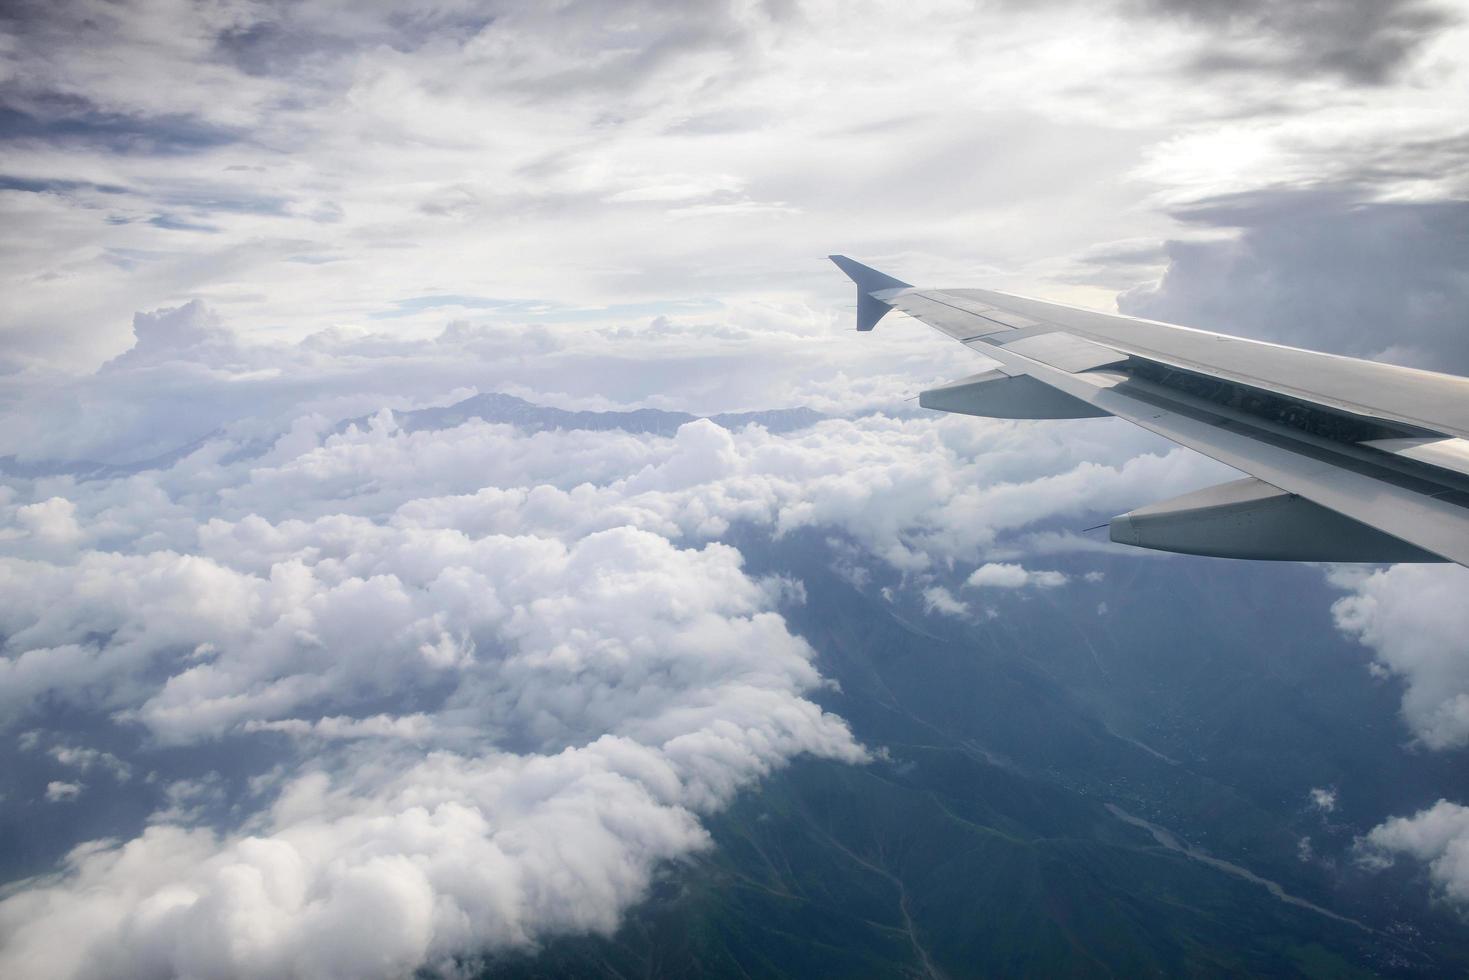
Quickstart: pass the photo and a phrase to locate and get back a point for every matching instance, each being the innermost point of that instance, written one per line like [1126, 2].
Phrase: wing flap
[1003, 395]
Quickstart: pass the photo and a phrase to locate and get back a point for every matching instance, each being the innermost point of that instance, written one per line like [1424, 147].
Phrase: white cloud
[1437, 836]
[940, 600]
[1414, 619]
[644, 714]
[642, 682]
[447, 855]
[265, 607]
[1007, 575]
[58, 791]
[416, 727]
[1323, 798]
[187, 801]
[51, 522]
[85, 759]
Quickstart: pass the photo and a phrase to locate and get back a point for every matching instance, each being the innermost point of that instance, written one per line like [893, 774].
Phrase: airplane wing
[1350, 460]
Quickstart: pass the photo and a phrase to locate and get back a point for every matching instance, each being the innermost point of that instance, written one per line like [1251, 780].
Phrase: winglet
[869, 281]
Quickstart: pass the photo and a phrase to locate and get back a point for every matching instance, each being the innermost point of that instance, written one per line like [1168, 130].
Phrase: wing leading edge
[1350, 460]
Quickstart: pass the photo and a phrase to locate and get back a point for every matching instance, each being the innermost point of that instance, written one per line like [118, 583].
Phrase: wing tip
[869, 281]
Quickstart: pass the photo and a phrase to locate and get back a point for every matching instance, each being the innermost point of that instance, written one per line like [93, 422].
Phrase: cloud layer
[562, 703]
[305, 167]
[501, 672]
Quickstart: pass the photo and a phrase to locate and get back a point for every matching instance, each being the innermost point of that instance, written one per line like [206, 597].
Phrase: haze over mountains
[489, 407]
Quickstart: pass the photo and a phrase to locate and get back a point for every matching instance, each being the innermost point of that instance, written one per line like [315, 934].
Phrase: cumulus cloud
[1415, 621]
[341, 546]
[191, 333]
[1323, 798]
[1007, 575]
[50, 522]
[1437, 836]
[642, 682]
[455, 855]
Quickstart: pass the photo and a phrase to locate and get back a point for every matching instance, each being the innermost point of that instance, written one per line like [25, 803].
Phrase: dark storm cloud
[198, 202]
[1325, 270]
[218, 197]
[543, 51]
[269, 48]
[35, 185]
[73, 123]
[621, 45]
[172, 222]
[612, 44]
[1443, 160]
[1363, 41]
[286, 41]
[38, 104]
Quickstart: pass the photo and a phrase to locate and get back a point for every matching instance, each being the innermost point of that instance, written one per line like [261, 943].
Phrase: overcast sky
[302, 167]
[229, 226]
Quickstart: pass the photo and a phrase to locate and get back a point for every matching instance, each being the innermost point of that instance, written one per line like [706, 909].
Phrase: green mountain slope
[1005, 829]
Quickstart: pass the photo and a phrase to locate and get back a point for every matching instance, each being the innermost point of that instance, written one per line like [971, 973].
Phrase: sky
[229, 226]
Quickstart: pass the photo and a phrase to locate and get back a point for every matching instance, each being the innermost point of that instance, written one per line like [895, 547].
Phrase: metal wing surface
[1350, 460]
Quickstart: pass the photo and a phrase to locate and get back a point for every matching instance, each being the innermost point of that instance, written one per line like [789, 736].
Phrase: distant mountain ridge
[490, 407]
[510, 410]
